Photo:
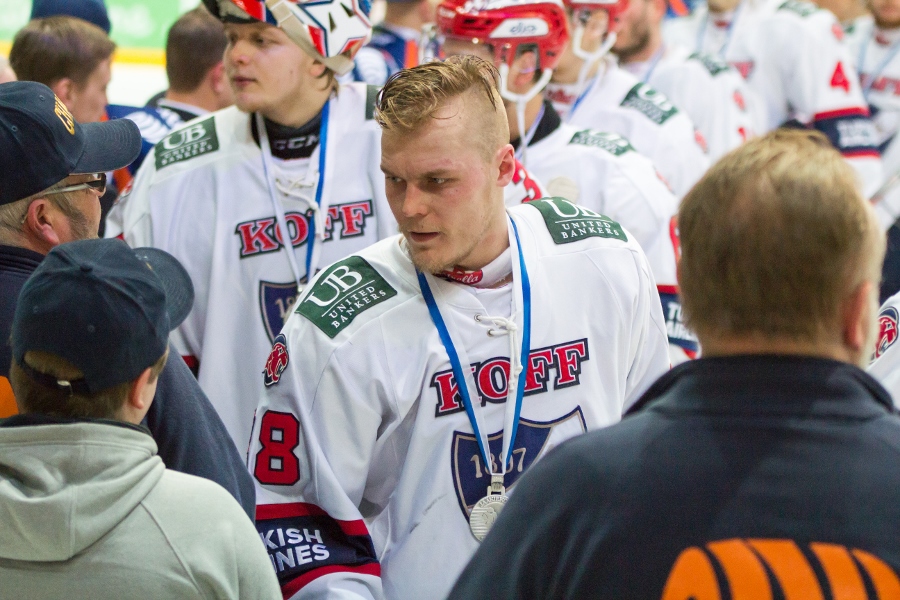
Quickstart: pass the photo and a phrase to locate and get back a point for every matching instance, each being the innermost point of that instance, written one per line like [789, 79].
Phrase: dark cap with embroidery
[41, 144]
[102, 306]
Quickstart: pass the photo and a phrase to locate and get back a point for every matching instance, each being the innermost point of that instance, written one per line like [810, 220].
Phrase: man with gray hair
[770, 467]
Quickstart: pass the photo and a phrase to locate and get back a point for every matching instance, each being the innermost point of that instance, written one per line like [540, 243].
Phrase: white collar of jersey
[493, 274]
[886, 37]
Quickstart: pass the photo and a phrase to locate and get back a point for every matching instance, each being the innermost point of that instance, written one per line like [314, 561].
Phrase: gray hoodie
[87, 510]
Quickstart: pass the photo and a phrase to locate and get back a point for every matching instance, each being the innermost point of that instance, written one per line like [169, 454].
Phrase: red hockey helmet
[506, 25]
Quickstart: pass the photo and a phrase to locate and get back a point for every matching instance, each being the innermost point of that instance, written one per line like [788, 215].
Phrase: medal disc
[484, 513]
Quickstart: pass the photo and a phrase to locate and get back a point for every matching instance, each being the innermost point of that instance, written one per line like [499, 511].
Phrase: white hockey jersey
[885, 366]
[713, 94]
[202, 196]
[602, 172]
[366, 462]
[616, 101]
[791, 55]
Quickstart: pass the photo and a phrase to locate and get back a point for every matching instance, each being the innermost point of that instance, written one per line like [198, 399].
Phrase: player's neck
[203, 98]
[889, 29]
[404, 14]
[646, 52]
[492, 245]
[532, 110]
[297, 112]
[723, 7]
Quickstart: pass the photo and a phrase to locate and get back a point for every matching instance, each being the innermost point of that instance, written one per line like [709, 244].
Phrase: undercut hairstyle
[774, 238]
[32, 397]
[412, 97]
[195, 44]
[47, 50]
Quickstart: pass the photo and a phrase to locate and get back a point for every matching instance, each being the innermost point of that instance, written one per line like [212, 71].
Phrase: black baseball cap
[102, 306]
[41, 144]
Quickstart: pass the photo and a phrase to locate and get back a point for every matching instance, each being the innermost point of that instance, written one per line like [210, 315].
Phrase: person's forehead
[249, 28]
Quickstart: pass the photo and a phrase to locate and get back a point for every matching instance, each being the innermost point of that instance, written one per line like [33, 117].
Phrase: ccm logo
[760, 569]
[520, 28]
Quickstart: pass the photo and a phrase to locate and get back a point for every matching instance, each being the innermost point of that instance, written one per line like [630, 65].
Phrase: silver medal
[486, 510]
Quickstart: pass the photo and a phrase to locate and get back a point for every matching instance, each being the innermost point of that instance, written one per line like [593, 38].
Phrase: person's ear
[42, 220]
[140, 396]
[65, 90]
[217, 79]
[858, 318]
[506, 157]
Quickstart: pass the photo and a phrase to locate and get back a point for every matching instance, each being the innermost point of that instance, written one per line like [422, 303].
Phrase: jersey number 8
[279, 435]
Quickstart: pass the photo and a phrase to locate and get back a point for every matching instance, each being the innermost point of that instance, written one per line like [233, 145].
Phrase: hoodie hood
[64, 486]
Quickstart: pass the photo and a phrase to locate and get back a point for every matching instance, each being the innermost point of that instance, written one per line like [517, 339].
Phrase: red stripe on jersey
[191, 361]
[295, 585]
[857, 111]
[868, 152]
[667, 289]
[302, 509]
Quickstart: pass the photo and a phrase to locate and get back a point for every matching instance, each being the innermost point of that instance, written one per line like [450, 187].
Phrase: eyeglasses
[98, 185]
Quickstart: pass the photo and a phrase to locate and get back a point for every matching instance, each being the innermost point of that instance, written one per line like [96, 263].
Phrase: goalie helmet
[506, 26]
[331, 31]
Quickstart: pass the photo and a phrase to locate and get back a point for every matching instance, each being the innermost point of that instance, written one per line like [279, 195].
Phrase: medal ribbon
[312, 249]
[517, 367]
[860, 65]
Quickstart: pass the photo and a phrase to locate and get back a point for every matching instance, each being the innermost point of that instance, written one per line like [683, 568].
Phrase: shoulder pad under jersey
[185, 143]
[613, 143]
[804, 9]
[713, 64]
[655, 105]
[342, 292]
[569, 222]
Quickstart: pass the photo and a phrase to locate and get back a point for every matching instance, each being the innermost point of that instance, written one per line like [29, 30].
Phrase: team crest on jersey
[562, 362]
[653, 104]
[277, 362]
[804, 9]
[713, 64]
[471, 478]
[188, 142]
[745, 68]
[275, 302]
[569, 223]
[261, 236]
[343, 291]
[887, 330]
[611, 142]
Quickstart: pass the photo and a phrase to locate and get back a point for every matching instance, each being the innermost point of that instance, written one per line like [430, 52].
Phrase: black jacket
[739, 477]
[190, 435]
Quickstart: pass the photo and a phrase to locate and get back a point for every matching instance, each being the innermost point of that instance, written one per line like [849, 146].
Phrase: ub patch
[277, 362]
[471, 477]
[275, 303]
[887, 330]
[569, 223]
[343, 291]
[188, 142]
[654, 105]
[804, 9]
[713, 64]
[611, 142]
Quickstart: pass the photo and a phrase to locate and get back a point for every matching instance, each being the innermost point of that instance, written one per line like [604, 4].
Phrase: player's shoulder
[604, 145]
[858, 31]
[559, 226]
[888, 323]
[799, 18]
[705, 63]
[354, 291]
[642, 98]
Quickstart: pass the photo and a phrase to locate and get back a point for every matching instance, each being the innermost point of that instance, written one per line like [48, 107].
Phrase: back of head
[775, 237]
[195, 44]
[411, 98]
[47, 50]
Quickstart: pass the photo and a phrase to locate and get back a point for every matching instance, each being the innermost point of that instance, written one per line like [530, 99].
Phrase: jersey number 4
[279, 435]
[839, 79]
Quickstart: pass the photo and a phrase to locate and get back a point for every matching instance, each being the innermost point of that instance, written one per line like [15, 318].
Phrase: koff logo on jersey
[277, 362]
[887, 330]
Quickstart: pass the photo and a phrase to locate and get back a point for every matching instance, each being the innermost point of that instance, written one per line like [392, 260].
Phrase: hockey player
[885, 366]
[712, 93]
[255, 197]
[590, 90]
[400, 403]
[599, 171]
[791, 55]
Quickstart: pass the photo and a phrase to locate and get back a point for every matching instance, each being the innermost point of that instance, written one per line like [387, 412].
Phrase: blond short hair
[411, 97]
[774, 237]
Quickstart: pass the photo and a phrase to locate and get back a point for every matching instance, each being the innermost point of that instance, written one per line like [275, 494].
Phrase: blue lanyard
[729, 31]
[457, 366]
[525, 140]
[581, 97]
[895, 48]
[320, 186]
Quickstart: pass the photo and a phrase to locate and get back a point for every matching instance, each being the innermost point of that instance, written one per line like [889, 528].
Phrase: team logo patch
[277, 362]
[653, 104]
[343, 291]
[745, 68]
[804, 9]
[187, 142]
[471, 478]
[275, 303]
[613, 143]
[887, 330]
[568, 222]
[713, 64]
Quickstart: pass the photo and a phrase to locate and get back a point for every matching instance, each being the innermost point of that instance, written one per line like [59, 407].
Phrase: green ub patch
[345, 290]
[653, 104]
[712, 63]
[568, 222]
[804, 9]
[611, 142]
[187, 142]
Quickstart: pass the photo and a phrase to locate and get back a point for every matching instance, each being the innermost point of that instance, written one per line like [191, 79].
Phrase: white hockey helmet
[331, 31]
